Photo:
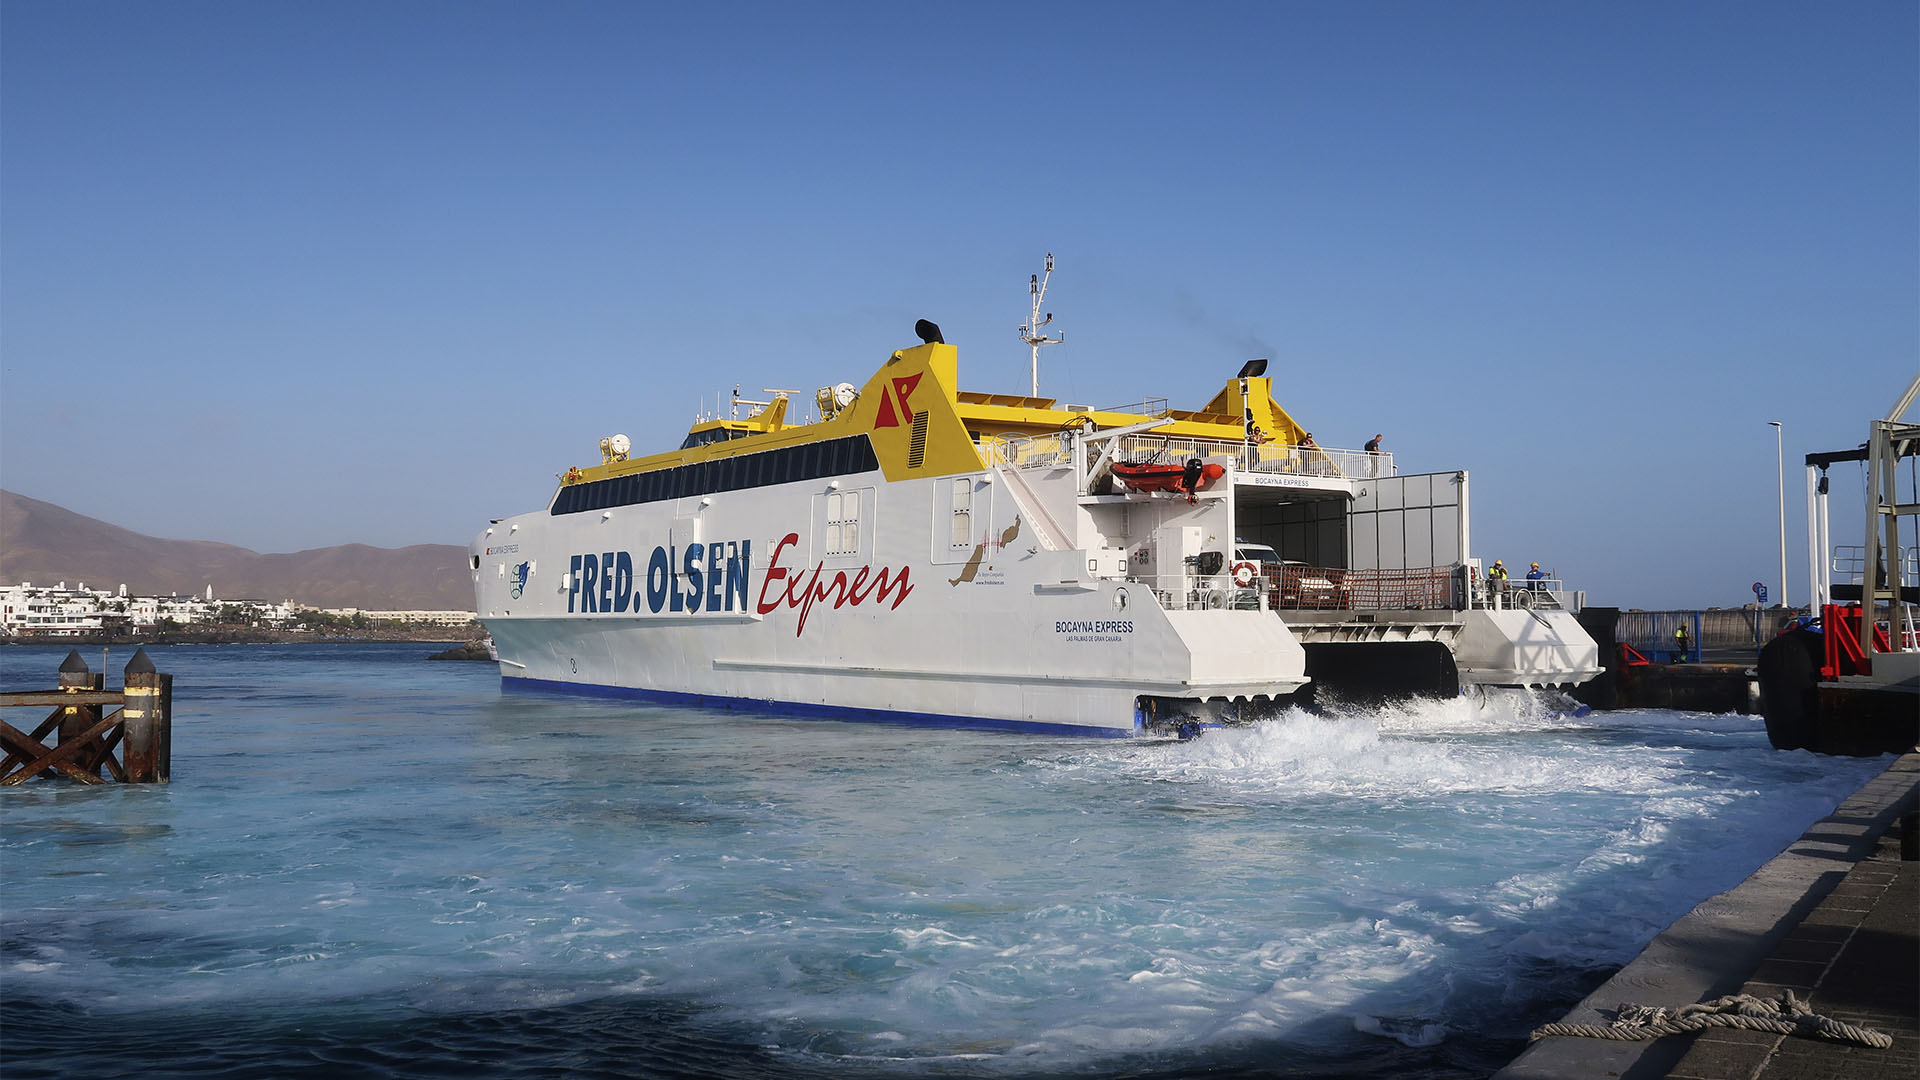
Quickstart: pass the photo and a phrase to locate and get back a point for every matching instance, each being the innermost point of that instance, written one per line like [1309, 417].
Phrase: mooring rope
[1788, 1016]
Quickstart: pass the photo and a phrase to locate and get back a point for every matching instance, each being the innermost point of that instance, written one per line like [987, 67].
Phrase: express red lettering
[802, 590]
[853, 591]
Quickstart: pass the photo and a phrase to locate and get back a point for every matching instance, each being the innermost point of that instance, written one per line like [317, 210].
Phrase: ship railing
[1257, 457]
[1849, 565]
[1026, 451]
[1297, 587]
[1196, 592]
[1495, 594]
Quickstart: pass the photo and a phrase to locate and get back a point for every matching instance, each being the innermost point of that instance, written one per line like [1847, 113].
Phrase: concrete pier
[1720, 678]
[1832, 918]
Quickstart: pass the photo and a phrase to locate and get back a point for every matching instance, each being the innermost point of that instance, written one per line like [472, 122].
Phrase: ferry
[913, 552]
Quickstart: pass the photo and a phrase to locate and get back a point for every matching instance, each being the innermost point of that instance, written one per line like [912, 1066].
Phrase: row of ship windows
[811, 461]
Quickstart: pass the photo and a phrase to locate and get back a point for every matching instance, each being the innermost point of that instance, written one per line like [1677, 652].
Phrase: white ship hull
[1525, 648]
[999, 633]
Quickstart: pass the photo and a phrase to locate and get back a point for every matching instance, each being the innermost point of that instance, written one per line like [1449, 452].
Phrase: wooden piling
[87, 739]
[147, 719]
[76, 677]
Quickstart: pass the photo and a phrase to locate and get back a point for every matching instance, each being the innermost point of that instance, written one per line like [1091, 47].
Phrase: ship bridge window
[809, 461]
[711, 435]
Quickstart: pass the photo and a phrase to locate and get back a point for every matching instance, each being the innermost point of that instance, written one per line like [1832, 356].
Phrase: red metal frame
[1844, 656]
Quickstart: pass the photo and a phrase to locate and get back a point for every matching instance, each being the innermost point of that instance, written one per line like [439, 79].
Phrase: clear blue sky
[291, 275]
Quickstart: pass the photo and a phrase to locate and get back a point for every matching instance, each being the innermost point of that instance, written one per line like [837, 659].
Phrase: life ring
[1244, 574]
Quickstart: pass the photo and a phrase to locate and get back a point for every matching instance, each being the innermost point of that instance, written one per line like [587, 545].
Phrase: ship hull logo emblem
[518, 575]
[903, 388]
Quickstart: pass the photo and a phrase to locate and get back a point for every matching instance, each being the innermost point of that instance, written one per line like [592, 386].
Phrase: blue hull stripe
[821, 712]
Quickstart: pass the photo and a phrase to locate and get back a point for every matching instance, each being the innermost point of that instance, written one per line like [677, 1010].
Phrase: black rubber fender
[1789, 670]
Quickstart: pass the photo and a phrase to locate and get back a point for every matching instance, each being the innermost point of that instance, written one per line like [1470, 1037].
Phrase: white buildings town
[58, 611]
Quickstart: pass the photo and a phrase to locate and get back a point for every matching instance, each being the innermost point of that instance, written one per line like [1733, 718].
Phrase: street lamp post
[1780, 472]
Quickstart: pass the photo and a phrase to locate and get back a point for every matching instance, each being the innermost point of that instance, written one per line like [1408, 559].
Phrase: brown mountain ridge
[46, 544]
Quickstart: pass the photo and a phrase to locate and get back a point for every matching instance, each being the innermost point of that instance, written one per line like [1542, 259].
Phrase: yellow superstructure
[921, 425]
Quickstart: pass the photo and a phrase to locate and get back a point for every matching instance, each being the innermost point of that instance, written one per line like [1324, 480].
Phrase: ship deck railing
[1298, 587]
[1520, 594]
[1026, 451]
[1192, 592]
[1258, 457]
[1848, 565]
[1056, 450]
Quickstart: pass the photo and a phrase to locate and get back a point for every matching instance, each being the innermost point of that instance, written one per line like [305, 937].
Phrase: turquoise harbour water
[371, 865]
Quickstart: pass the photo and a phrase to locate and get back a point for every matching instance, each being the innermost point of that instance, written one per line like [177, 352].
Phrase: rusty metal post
[147, 720]
[76, 719]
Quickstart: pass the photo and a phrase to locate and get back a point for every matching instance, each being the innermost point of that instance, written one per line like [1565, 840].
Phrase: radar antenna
[1030, 331]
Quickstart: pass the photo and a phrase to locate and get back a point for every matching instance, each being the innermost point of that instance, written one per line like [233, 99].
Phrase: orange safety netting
[1332, 588]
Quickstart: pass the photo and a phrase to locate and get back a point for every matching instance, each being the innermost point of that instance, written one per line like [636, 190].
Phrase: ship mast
[1030, 331]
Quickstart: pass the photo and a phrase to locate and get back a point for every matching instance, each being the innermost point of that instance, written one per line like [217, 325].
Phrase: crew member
[1682, 644]
[1373, 448]
[1255, 440]
[1497, 580]
[1536, 578]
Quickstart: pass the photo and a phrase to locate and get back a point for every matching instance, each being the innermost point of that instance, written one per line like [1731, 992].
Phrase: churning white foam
[885, 893]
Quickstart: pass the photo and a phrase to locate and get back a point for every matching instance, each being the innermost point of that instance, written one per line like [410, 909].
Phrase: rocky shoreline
[472, 650]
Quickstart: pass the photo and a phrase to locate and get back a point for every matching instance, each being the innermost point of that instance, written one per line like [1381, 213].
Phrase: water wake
[1366, 892]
